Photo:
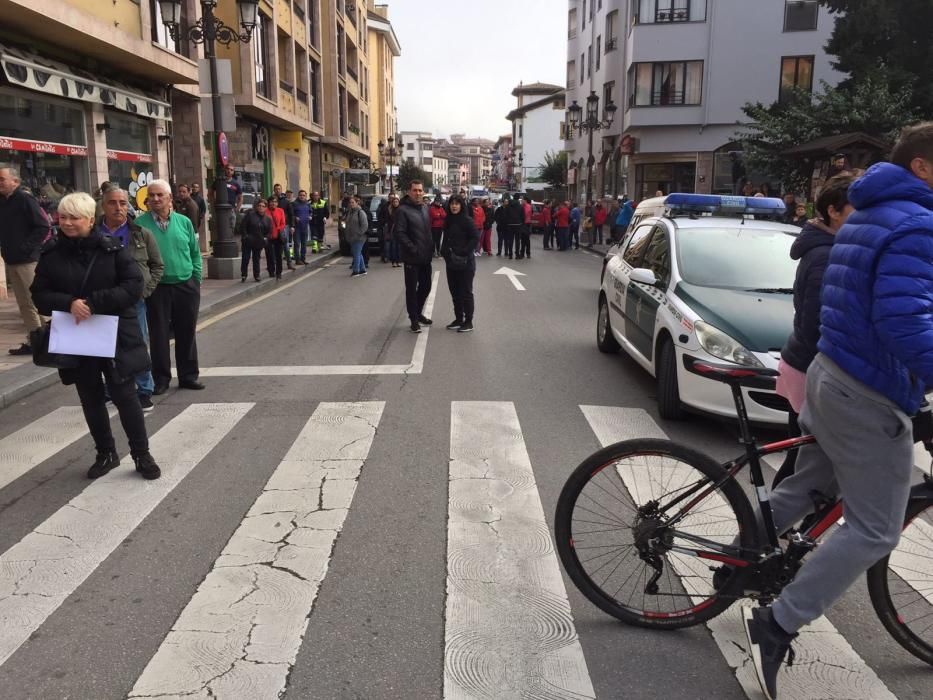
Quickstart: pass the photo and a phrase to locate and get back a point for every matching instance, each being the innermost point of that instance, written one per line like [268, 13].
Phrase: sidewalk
[19, 377]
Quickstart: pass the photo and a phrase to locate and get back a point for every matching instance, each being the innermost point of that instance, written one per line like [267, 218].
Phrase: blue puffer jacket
[877, 317]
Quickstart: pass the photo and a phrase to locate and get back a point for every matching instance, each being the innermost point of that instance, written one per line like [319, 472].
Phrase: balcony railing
[299, 10]
[352, 73]
[287, 87]
[611, 45]
[301, 95]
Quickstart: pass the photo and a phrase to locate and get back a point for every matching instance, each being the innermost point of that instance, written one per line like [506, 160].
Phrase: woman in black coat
[460, 239]
[256, 228]
[83, 272]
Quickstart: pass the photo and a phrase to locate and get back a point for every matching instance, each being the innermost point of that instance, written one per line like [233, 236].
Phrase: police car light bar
[722, 204]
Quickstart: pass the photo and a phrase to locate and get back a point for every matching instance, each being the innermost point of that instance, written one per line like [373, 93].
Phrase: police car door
[619, 267]
[642, 301]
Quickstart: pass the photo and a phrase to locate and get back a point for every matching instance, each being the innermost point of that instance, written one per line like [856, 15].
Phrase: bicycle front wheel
[640, 526]
[901, 585]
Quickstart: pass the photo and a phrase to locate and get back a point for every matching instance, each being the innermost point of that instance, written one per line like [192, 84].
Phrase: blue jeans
[144, 382]
[393, 251]
[300, 237]
[357, 250]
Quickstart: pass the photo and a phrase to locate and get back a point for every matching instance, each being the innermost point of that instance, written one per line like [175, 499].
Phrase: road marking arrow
[513, 276]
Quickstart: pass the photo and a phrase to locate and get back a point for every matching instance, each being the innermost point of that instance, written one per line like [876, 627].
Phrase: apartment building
[417, 147]
[537, 129]
[476, 153]
[440, 173]
[679, 72]
[384, 48]
[83, 97]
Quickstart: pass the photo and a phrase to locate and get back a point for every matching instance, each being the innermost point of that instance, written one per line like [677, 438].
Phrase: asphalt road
[102, 619]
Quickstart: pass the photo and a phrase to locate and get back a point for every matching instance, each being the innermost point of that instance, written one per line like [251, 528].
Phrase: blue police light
[679, 202]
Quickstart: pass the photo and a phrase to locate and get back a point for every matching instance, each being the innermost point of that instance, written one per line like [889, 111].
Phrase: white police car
[701, 277]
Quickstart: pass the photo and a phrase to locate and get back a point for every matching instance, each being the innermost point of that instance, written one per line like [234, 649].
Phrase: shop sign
[58, 149]
[128, 156]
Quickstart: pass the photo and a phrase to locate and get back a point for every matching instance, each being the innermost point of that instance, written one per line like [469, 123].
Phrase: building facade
[537, 129]
[418, 149]
[679, 73]
[384, 48]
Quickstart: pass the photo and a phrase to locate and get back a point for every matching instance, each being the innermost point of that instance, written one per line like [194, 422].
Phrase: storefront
[666, 177]
[46, 140]
[129, 155]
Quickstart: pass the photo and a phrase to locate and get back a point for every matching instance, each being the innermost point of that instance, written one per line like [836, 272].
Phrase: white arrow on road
[513, 276]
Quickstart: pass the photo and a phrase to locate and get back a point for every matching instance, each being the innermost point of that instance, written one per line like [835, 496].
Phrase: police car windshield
[741, 257]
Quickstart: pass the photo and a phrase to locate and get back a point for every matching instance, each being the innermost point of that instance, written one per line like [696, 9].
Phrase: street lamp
[389, 154]
[591, 123]
[208, 31]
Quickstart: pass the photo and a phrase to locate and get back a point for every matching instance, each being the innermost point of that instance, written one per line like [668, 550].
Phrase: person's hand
[80, 310]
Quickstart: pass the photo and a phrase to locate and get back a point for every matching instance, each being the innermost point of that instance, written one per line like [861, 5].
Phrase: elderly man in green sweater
[175, 301]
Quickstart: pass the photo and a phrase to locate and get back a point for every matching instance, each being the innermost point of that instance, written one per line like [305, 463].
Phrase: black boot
[147, 466]
[104, 463]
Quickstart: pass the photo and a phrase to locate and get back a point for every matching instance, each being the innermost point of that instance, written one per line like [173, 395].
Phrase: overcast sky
[462, 58]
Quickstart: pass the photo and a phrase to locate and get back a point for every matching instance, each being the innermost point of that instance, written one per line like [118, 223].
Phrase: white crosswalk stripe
[239, 635]
[826, 668]
[509, 629]
[39, 572]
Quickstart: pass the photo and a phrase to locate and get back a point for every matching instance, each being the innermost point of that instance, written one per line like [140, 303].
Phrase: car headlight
[720, 345]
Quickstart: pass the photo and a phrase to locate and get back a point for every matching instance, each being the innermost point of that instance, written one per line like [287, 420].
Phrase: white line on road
[513, 276]
[39, 572]
[239, 635]
[35, 443]
[826, 668]
[509, 630]
[415, 367]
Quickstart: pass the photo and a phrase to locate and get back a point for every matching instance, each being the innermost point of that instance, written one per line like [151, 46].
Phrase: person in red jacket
[276, 244]
[546, 225]
[599, 220]
[438, 213]
[479, 220]
[562, 224]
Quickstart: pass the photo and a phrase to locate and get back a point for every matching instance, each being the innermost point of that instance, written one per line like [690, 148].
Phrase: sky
[461, 59]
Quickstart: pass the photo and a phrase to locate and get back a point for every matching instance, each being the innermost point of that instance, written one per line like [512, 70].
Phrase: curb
[34, 378]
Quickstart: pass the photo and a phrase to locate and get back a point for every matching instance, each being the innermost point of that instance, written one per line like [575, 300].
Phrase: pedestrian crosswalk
[510, 621]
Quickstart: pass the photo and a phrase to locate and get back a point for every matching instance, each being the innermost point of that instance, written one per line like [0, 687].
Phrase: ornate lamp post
[208, 31]
[389, 154]
[591, 123]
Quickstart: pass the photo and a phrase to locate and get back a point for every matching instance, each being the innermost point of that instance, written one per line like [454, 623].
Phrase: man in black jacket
[23, 227]
[416, 248]
[515, 223]
[502, 226]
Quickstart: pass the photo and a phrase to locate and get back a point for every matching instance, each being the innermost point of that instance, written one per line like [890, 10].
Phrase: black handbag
[457, 262]
[39, 338]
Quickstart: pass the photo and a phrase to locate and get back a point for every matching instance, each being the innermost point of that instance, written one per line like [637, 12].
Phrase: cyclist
[875, 359]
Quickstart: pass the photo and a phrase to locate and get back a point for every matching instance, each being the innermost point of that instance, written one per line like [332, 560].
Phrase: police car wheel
[605, 340]
[669, 406]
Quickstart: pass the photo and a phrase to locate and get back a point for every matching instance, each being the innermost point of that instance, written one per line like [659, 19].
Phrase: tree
[887, 41]
[554, 170]
[870, 105]
[409, 172]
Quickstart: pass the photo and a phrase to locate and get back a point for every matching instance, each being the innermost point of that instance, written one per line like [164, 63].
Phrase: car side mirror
[643, 275]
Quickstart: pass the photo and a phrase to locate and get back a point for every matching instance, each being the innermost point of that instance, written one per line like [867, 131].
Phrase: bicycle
[693, 514]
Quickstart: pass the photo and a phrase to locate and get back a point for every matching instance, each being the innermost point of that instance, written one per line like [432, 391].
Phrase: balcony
[352, 74]
[302, 96]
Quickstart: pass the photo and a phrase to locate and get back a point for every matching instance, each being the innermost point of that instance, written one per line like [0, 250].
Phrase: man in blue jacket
[874, 363]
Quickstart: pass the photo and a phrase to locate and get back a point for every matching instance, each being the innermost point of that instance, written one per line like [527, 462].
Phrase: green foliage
[554, 170]
[409, 172]
[870, 105]
[887, 40]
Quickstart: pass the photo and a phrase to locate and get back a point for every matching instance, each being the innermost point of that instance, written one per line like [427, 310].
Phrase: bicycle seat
[730, 374]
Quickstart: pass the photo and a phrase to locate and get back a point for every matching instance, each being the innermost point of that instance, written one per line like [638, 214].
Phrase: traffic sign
[223, 149]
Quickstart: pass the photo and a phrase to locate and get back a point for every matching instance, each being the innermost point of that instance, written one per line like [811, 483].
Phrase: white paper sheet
[95, 337]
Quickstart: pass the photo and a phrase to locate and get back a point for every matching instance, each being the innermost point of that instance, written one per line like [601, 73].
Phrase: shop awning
[28, 70]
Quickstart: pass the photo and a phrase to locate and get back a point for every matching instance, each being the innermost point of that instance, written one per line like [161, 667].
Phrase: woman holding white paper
[84, 272]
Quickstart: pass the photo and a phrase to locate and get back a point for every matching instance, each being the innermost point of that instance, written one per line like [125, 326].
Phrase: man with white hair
[175, 301]
[23, 227]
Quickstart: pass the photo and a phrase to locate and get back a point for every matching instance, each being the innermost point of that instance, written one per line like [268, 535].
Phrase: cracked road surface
[363, 535]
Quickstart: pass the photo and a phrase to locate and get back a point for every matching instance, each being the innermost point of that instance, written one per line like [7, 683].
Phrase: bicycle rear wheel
[901, 585]
[613, 535]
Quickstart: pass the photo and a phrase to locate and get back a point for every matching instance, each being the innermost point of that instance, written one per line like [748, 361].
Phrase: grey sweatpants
[864, 453]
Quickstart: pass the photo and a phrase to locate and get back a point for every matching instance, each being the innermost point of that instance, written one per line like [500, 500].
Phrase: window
[608, 89]
[160, 34]
[342, 110]
[636, 245]
[583, 25]
[572, 23]
[796, 74]
[314, 91]
[599, 52]
[611, 20]
[312, 23]
[658, 11]
[678, 83]
[589, 61]
[658, 256]
[521, 133]
[800, 15]
[571, 73]
[261, 59]
[410, 146]
[582, 68]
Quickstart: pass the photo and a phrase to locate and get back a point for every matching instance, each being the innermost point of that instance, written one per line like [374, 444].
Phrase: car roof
[683, 222]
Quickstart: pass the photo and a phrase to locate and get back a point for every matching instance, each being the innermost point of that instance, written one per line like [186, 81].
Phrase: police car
[701, 278]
